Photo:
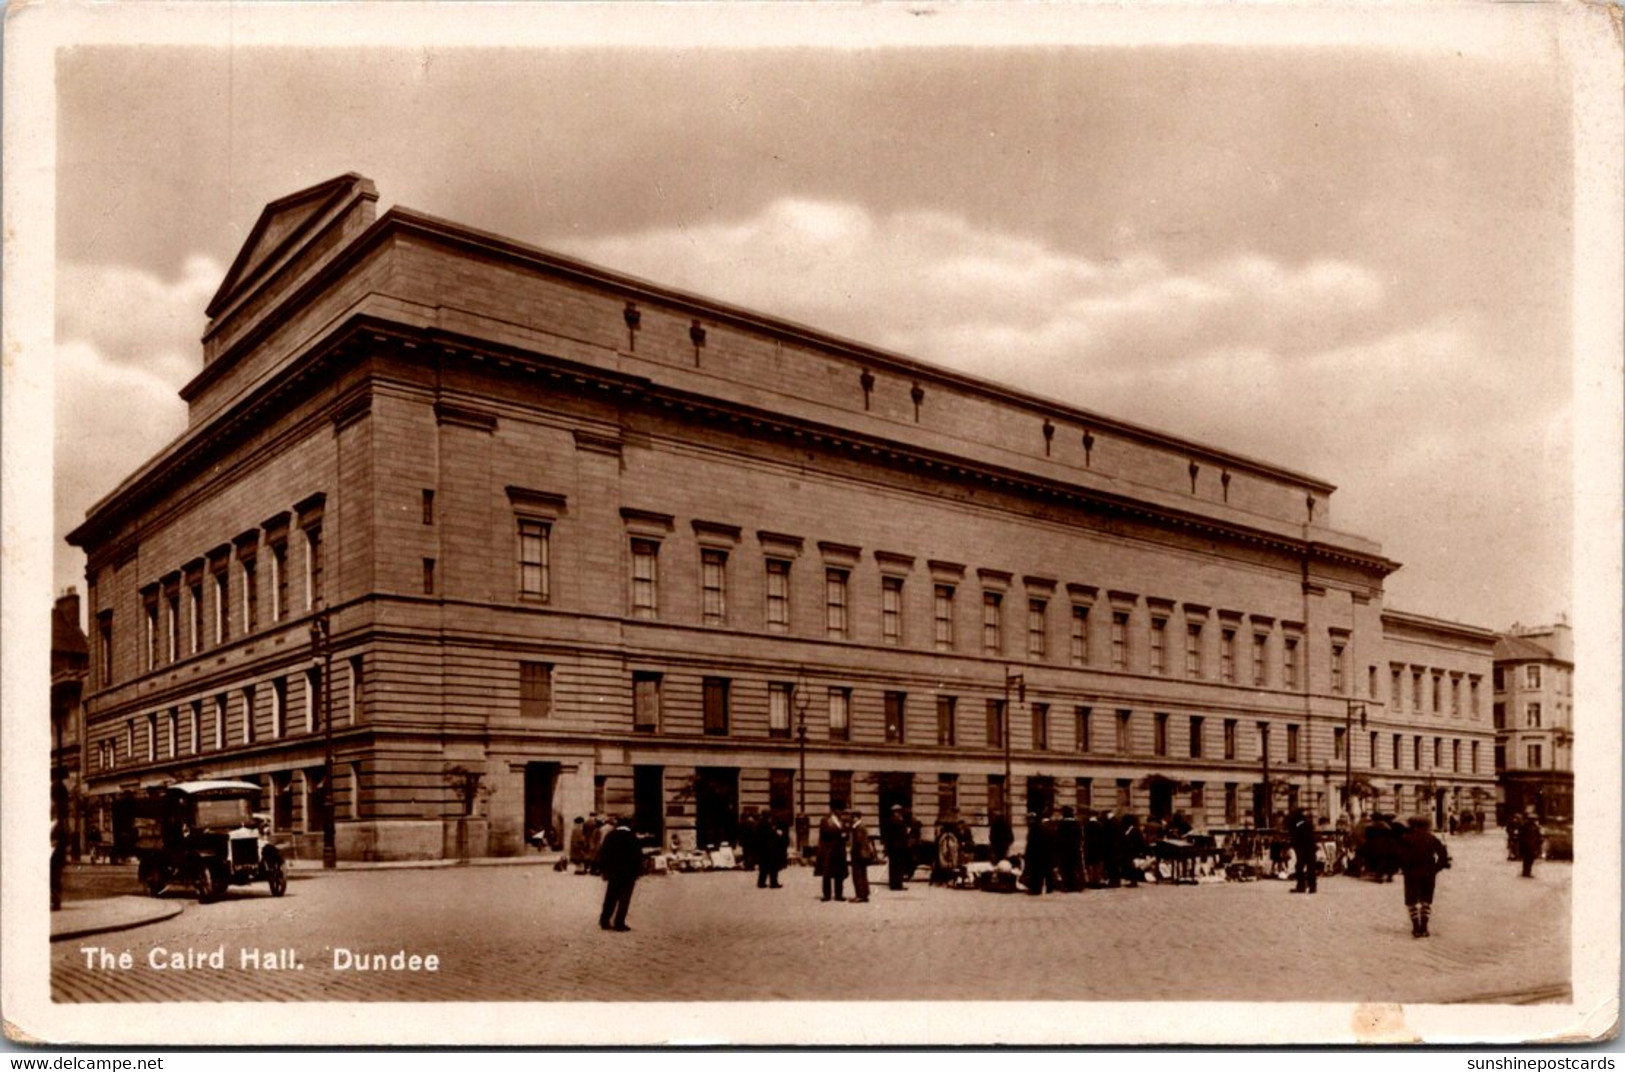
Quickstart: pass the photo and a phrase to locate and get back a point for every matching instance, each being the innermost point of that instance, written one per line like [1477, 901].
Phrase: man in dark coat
[831, 860]
[772, 852]
[1529, 841]
[620, 861]
[899, 856]
[1069, 851]
[1130, 849]
[1038, 860]
[999, 837]
[863, 854]
[749, 836]
[1303, 853]
[1421, 857]
[1094, 850]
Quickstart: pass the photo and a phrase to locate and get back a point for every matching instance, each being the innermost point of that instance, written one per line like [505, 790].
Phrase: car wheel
[152, 877]
[208, 885]
[278, 879]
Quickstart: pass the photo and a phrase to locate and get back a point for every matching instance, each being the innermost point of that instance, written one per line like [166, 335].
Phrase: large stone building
[1534, 721]
[589, 543]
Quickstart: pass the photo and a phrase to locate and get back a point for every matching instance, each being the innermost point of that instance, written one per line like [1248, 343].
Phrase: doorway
[895, 788]
[1162, 798]
[648, 801]
[1041, 794]
[540, 781]
[716, 805]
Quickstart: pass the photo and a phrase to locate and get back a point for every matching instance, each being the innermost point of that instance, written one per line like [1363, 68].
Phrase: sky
[1355, 262]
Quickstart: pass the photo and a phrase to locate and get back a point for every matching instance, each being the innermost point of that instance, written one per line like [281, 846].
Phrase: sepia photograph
[915, 524]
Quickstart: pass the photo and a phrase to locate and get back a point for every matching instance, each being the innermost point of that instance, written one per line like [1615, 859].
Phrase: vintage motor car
[205, 835]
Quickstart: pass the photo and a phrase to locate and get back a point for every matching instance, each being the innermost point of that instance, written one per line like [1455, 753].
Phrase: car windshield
[223, 812]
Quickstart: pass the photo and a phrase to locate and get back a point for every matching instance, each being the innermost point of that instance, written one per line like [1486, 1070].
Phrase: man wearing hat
[1069, 850]
[894, 834]
[620, 862]
[1421, 857]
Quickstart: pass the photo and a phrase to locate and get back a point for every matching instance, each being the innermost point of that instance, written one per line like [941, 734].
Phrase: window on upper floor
[1159, 645]
[535, 689]
[1193, 649]
[840, 714]
[279, 580]
[1339, 742]
[1227, 656]
[995, 723]
[896, 717]
[780, 697]
[104, 648]
[1125, 738]
[1499, 712]
[946, 730]
[943, 617]
[1531, 676]
[713, 586]
[1292, 735]
[1531, 715]
[1260, 666]
[1037, 629]
[1229, 738]
[1533, 753]
[778, 595]
[154, 638]
[1198, 724]
[993, 623]
[222, 605]
[1289, 663]
[1040, 727]
[715, 701]
[172, 623]
[1438, 693]
[1080, 635]
[835, 603]
[1497, 679]
[1159, 734]
[247, 566]
[1416, 691]
[1081, 718]
[315, 567]
[1119, 640]
[891, 610]
[535, 560]
[645, 702]
[1337, 667]
[645, 579]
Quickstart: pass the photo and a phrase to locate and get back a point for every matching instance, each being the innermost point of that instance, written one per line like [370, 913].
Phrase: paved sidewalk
[76, 919]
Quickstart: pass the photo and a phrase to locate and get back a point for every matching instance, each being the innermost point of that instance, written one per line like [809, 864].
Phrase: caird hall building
[586, 543]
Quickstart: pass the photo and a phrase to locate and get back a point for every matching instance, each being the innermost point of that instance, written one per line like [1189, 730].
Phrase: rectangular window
[1396, 689]
[314, 567]
[248, 714]
[896, 717]
[352, 704]
[1289, 663]
[1455, 756]
[152, 737]
[645, 579]
[535, 551]
[195, 725]
[1337, 668]
[1375, 759]
[172, 623]
[251, 595]
[1229, 738]
[104, 648]
[1292, 735]
[279, 707]
[315, 699]
[840, 789]
[1232, 804]
[995, 723]
[1125, 794]
[891, 610]
[713, 586]
[835, 622]
[279, 581]
[428, 576]
[1438, 753]
[1227, 656]
[1531, 676]
[1475, 757]
[1371, 682]
[778, 595]
[1498, 679]
[129, 739]
[645, 702]
[428, 506]
[995, 795]
[1399, 755]
[1339, 742]
[715, 702]
[943, 617]
[222, 606]
[1263, 741]
[1198, 724]
[840, 714]
[154, 638]
[1416, 753]
[992, 623]
[779, 697]
[1534, 756]
[1159, 734]
[947, 796]
[535, 690]
[1081, 716]
[1080, 635]
[1041, 726]
[1159, 641]
[1119, 640]
[1084, 795]
[1438, 693]
[1498, 711]
[1193, 649]
[1531, 716]
[1472, 697]
[1416, 691]
[945, 720]
[1037, 629]
[1124, 741]
[1260, 646]
[1198, 797]
[220, 720]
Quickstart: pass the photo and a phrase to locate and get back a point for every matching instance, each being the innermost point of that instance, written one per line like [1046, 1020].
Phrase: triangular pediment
[282, 226]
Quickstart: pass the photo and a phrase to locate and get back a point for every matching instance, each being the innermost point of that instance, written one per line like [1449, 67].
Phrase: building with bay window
[1534, 721]
[588, 543]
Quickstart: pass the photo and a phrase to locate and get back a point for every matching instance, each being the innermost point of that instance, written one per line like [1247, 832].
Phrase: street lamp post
[802, 700]
[321, 649]
[1019, 683]
[1348, 751]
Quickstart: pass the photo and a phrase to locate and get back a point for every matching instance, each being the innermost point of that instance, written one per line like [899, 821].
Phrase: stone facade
[1534, 721]
[585, 543]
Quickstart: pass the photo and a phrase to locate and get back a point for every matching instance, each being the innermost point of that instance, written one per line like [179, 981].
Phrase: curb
[140, 911]
[305, 867]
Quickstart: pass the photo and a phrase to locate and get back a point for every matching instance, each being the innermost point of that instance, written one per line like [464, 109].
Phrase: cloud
[136, 318]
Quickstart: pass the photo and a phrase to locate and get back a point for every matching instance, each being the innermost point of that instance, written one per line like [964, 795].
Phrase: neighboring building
[587, 543]
[1534, 721]
[70, 666]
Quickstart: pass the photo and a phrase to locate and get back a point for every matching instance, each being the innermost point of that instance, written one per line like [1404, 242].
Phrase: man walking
[620, 862]
[1529, 842]
[1303, 853]
[1422, 856]
[899, 856]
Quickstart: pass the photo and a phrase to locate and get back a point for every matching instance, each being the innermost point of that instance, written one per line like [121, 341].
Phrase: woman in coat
[831, 860]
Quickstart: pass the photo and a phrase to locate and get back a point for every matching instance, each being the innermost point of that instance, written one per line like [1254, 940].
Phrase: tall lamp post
[1348, 752]
[802, 699]
[321, 651]
[1019, 683]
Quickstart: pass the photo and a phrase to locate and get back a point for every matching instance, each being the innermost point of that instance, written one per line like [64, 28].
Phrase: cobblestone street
[527, 933]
